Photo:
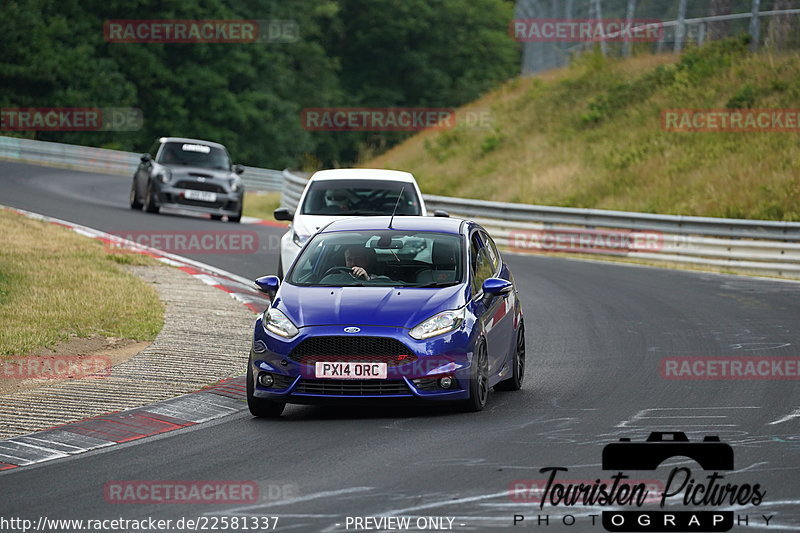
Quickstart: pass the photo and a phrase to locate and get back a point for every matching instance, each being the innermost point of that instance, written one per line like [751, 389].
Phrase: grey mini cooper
[188, 174]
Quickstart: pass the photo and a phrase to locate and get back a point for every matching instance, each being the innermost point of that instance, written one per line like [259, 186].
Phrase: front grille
[353, 349]
[354, 387]
[198, 186]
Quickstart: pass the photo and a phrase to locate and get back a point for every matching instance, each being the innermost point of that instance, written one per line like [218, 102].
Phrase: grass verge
[55, 283]
[591, 136]
[261, 204]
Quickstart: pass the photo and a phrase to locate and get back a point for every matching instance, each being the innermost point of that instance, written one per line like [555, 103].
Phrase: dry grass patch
[261, 204]
[55, 284]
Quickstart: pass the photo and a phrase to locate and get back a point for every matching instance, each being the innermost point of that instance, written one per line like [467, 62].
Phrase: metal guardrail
[760, 246]
[111, 161]
[757, 246]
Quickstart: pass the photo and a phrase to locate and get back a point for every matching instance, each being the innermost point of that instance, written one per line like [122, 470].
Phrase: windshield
[360, 197]
[382, 258]
[193, 154]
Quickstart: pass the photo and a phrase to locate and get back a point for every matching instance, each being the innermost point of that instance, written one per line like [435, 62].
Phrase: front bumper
[418, 380]
[226, 203]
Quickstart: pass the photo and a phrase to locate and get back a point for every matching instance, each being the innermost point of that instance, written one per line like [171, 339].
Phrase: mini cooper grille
[198, 186]
[354, 387]
[353, 349]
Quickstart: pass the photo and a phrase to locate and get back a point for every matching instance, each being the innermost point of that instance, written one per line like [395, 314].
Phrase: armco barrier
[757, 246]
[110, 161]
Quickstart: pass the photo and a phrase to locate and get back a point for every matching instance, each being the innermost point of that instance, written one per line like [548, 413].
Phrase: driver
[359, 260]
[337, 199]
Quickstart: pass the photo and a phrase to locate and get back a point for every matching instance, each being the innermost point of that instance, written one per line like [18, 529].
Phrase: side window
[491, 250]
[154, 149]
[480, 262]
[474, 249]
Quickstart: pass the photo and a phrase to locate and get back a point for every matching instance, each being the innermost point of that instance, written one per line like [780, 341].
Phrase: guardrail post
[598, 14]
[755, 26]
[701, 34]
[680, 29]
[628, 46]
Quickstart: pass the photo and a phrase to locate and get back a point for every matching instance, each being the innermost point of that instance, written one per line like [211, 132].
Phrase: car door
[503, 319]
[144, 169]
[492, 314]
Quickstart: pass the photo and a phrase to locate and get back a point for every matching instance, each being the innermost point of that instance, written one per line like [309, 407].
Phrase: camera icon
[711, 454]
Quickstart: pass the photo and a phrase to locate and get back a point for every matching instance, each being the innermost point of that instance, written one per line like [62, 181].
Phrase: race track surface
[596, 337]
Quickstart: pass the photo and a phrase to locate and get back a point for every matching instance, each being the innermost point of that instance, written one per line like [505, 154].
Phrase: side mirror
[441, 213]
[495, 287]
[145, 158]
[239, 169]
[268, 285]
[283, 213]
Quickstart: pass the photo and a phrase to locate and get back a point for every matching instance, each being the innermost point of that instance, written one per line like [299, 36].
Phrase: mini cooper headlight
[276, 322]
[436, 325]
[236, 185]
[164, 175]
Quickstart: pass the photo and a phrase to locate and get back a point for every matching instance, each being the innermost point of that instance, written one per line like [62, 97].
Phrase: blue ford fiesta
[380, 308]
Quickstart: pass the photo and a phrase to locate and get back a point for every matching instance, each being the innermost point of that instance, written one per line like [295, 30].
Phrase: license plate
[337, 370]
[202, 196]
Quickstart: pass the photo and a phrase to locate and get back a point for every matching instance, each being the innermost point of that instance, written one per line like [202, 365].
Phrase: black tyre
[135, 203]
[150, 204]
[238, 218]
[515, 381]
[280, 267]
[479, 380]
[259, 406]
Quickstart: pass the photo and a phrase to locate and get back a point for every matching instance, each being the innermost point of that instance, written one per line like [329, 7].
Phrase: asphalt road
[596, 337]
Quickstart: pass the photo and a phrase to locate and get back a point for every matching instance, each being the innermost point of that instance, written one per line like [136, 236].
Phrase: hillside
[591, 135]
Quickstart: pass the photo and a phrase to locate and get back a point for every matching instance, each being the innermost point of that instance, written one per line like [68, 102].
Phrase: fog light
[265, 380]
[446, 382]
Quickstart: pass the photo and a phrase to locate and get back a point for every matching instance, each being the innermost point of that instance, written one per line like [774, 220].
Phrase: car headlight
[299, 239]
[444, 322]
[276, 322]
[164, 175]
[236, 185]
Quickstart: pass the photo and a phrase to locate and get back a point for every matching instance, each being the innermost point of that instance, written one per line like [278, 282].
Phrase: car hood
[182, 171]
[310, 224]
[366, 306]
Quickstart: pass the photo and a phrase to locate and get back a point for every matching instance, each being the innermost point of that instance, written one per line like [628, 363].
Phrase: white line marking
[301, 499]
[642, 415]
[790, 416]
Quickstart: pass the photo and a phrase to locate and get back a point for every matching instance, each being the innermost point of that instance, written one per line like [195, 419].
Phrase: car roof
[363, 174]
[163, 140]
[400, 223]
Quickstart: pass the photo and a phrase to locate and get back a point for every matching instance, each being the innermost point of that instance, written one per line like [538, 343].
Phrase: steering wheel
[335, 269]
